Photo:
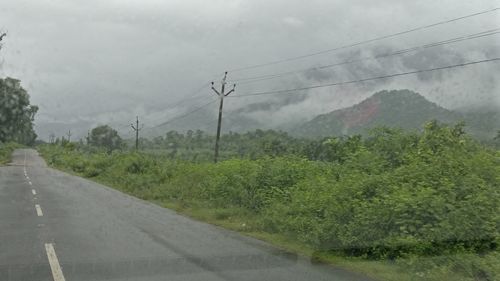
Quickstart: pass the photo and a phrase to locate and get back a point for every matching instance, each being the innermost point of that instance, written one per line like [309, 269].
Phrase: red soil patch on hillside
[363, 113]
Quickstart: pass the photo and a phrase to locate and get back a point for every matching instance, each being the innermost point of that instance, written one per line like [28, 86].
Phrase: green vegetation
[197, 146]
[396, 205]
[105, 137]
[397, 108]
[6, 151]
[16, 117]
[16, 113]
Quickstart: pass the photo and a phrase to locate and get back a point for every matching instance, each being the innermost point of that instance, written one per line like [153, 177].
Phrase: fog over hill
[397, 108]
[86, 63]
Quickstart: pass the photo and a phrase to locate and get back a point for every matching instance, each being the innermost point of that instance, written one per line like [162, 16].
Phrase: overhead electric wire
[365, 79]
[364, 41]
[182, 115]
[155, 120]
[325, 85]
[121, 126]
[194, 94]
[191, 96]
[254, 79]
[272, 76]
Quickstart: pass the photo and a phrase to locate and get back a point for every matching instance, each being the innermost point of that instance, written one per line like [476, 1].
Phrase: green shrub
[6, 150]
[393, 195]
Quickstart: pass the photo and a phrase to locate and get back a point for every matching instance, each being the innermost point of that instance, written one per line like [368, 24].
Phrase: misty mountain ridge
[392, 108]
[396, 108]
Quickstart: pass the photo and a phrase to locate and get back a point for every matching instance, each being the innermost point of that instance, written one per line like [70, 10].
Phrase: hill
[397, 108]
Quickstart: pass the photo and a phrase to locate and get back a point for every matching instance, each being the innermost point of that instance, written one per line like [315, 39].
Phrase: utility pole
[69, 135]
[88, 137]
[137, 129]
[1, 38]
[221, 95]
[52, 138]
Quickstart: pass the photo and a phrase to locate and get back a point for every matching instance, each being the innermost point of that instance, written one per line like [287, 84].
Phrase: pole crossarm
[221, 95]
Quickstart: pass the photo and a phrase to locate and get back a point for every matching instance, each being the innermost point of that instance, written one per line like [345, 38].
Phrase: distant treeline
[197, 146]
[391, 195]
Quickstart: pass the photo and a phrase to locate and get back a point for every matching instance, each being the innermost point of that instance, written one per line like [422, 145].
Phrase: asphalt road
[55, 226]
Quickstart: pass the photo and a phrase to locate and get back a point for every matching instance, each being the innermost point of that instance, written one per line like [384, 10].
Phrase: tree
[16, 113]
[496, 139]
[106, 137]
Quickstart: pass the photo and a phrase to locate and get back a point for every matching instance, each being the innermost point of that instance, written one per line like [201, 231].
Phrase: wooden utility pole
[136, 129]
[221, 95]
[69, 135]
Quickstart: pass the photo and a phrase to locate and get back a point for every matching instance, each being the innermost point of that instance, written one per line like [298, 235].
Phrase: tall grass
[425, 208]
[6, 150]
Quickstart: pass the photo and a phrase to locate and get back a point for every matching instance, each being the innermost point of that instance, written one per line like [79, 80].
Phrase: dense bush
[393, 194]
[441, 196]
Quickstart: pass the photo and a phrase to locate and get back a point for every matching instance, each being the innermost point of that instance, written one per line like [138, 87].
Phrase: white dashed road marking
[55, 267]
[38, 210]
[57, 273]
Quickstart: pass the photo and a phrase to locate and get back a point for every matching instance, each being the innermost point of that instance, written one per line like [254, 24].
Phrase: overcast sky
[97, 62]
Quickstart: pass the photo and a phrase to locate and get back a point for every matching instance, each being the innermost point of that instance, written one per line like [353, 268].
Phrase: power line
[365, 41]
[183, 115]
[366, 79]
[159, 118]
[122, 126]
[210, 122]
[325, 85]
[327, 51]
[187, 113]
[191, 96]
[254, 79]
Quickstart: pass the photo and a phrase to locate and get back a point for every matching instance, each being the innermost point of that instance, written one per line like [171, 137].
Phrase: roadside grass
[6, 150]
[236, 220]
[183, 186]
[459, 267]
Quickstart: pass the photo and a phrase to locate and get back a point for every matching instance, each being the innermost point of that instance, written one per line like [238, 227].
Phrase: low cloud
[105, 61]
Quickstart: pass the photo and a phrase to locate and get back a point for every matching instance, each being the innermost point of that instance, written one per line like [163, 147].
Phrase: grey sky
[91, 62]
